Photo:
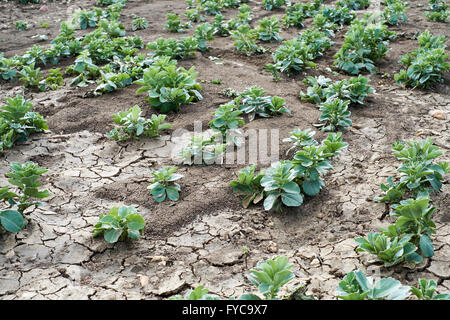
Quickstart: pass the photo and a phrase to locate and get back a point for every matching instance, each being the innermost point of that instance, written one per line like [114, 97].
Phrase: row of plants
[425, 66]
[408, 239]
[270, 276]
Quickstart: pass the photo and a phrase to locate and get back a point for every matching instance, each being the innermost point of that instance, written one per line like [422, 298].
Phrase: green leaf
[292, 199]
[12, 220]
[135, 222]
[426, 246]
[112, 235]
[172, 193]
[249, 296]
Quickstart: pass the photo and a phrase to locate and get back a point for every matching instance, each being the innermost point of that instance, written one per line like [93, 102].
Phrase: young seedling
[120, 224]
[356, 286]
[273, 4]
[203, 34]
[391, 251]
[253, 102]
[245, 40]
[248, 186]
[336, 115]
[54, 79]
[203, 150]
[164, 185]
[133, 126]
[18, 122]
[269, 276]
[269, 29]
[169, 87]
[426, 291]
[280, 188]
[199, 293]
[21, 25]
[139, 23]
[227, 121]
[25, 178]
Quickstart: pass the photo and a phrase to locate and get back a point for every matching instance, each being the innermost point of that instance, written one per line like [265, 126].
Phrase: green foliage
[201, 150]
[273, 4]
[21, 25]
[317, 90]
[353, 4]
[322, 23]
[245, 40]
[18, 122]
[227, 121]
[169, 87]
[85, 19]
[54, 79]
[119, 224]
[426, 291]
[312, 162]
[220, 26]
[173, 48]
[253, 102]
[133, 126]
[418, 172]
[194, 15]
[32, 78]
[199, 293]
[164, 185]
[364, 45]
[391, 251]
[356, 286]
[110, 81]
[437, 11]
[294, 16]
[394, 13]
[112, 28]
[285, 182]
[203, 34]
[335, 113]
[297, 54]
[25, 178]
[248, 186]
[8, 68]
[269, 29]
[354, 90]
[139, 23]
[338, 15]
[414, 218]
[173, 23]
[279, 186]
[245, 14]
[269, 276]
[426, 65]
[212, 7]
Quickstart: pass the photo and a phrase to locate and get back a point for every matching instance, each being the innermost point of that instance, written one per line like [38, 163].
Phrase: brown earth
[195, 236]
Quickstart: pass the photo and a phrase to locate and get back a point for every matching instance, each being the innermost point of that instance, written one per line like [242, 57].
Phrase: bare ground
[200, 239]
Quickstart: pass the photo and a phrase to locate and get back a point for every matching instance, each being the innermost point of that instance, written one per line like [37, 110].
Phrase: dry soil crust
[200, 239]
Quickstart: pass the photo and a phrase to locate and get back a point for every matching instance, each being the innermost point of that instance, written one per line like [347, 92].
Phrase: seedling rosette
[164, 185]
[120, 224]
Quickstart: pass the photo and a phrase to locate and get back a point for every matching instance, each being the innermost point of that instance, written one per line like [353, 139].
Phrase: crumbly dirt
[200, 238]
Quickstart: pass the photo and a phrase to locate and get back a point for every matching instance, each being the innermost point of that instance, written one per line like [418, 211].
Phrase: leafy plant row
[271, 275]
[411, 233]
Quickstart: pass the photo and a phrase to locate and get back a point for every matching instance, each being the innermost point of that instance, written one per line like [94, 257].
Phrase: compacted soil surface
[200, 239]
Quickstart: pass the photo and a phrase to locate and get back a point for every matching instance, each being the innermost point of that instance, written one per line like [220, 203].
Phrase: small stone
[143, 280]
[157, 258]
[224, 257]
[438, 114]
[44, 8]
[319, 215]
[10, 254]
